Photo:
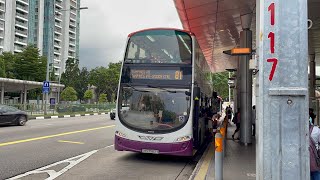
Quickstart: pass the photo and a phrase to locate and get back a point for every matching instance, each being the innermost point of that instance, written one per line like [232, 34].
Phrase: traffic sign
[46, 87]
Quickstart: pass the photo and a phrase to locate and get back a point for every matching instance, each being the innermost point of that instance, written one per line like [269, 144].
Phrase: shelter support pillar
[21, 97]
[245, 87]
[282, 151]
[2, 93]
[24, 97]
[238, 87]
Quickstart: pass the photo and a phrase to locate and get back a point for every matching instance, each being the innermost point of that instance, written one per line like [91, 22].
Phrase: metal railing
[64, 109]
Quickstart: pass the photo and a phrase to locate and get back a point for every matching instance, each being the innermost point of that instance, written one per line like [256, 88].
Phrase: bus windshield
[153, 109]
[159, 46]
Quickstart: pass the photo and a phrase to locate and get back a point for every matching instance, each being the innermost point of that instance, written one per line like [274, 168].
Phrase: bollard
[218, 163]
[223, 134]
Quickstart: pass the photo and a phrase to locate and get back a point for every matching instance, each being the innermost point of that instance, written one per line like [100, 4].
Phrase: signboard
[52, 101]
[163, 74]
[46, 87]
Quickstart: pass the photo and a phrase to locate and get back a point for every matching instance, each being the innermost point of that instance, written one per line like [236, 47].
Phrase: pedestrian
[253, 120]
[314, 138]
[236, 120]
[312, 116]
[229, 113]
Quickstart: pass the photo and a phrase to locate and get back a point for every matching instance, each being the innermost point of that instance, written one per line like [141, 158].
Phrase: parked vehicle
[12, 115]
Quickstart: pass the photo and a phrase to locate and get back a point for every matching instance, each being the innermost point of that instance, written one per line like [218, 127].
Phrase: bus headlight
[120, 134]
[184, 138]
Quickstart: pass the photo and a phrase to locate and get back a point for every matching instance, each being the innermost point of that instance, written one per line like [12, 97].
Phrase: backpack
[314, 153]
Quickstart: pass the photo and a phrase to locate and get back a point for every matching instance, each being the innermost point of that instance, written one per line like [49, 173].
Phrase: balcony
[1, 25]
[21, 41]
[25, 2]
[22, 8]
[21, 33]
[18, 49]
[2, 7]
[22, 24]
[73, 4]
[72, 16]
[2, 16]
[59, 4]
[23, 17]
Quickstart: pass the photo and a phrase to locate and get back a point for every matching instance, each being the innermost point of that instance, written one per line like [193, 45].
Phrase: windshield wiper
[136, 89]
[162, 89]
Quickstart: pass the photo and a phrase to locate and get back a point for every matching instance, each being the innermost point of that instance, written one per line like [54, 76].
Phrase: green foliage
[8, 64]
[29, 65]
[220, 84]
[88, 94]
[103, 98]
[69, 94]
[2, 68]
[106, 79]
[74, 77]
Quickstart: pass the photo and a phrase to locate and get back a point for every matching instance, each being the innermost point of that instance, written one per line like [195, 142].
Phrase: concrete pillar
[246, 96]
[24, 98]
[21, 97]
[238, 86]
[229, 89]
[283, 143]
[2, 93]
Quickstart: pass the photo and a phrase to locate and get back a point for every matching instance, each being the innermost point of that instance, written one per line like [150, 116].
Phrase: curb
[66, 116]
[199, 164]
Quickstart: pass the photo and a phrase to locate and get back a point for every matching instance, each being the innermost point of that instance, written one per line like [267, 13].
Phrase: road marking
[66, 116]
[54, 135]
[54, 117]
[42, 117]
[71, 142]
[201, 175]
[54, 174]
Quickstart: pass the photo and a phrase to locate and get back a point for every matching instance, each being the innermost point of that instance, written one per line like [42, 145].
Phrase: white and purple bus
[165, 82]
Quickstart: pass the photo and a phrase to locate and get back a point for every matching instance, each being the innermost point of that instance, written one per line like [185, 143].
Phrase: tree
[2, 68]
[88, 95]
[71, 75]
[82, 82]
[29, 65]
[8, 60]
[220, 84]
[106, 79]
[69, 94]
[103, 98]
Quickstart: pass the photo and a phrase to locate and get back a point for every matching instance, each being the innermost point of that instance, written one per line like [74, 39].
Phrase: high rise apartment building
[51, 25]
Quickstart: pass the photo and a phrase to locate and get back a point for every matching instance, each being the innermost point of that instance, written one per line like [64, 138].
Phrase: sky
[105, 25]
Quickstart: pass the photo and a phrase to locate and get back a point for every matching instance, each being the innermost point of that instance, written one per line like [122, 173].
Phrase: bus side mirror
[196, 93]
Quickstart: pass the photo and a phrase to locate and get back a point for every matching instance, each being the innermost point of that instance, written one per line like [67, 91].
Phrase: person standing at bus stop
[236, 120]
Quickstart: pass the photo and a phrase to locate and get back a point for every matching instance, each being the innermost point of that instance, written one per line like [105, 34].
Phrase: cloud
[104, 27]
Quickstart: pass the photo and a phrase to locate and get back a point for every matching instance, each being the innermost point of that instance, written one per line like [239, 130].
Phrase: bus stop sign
[46, 87]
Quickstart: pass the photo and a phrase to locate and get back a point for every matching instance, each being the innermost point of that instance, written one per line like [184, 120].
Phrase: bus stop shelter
[22, 86]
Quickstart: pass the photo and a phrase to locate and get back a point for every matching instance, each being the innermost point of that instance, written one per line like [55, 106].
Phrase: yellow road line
[71, 142]
[201, 175]
[52, 136]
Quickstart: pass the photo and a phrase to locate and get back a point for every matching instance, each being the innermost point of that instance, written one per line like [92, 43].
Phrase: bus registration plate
[151, 151]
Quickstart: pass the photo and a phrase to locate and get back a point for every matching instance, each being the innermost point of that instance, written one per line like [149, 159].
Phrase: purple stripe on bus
[176, 149]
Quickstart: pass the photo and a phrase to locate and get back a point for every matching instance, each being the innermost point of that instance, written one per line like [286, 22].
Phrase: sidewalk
[239, 162]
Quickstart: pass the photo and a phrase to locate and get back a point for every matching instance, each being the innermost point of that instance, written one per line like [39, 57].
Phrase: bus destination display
[156, 74]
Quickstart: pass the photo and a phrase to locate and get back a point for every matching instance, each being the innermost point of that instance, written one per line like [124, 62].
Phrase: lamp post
[51, 57]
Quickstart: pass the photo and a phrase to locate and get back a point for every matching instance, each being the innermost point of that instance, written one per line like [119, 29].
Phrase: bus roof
[189, 32]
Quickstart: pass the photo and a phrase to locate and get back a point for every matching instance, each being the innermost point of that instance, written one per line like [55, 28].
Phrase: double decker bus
[164, 84]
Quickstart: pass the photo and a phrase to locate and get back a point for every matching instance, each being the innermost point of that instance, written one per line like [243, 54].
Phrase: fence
[38, 109]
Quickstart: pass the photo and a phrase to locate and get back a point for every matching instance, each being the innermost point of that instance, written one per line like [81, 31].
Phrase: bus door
[196, 117]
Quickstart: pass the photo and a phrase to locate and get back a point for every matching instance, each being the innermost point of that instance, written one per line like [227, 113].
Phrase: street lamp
[51, 56]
